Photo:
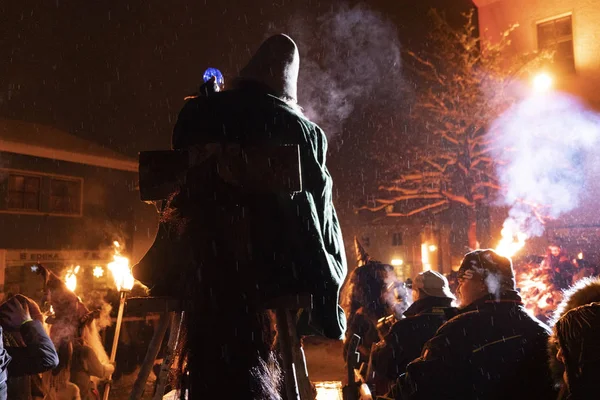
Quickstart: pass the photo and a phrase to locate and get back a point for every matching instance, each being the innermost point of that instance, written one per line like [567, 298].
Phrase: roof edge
[64, 155]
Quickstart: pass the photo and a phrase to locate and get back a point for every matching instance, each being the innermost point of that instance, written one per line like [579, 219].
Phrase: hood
[585, 291]
[276, 65]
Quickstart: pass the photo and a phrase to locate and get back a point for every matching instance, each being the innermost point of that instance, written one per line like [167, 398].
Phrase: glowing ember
[120, 270]
[329, 390]
[512, 240]
[98, 271]
[540, 295]
[71, 278]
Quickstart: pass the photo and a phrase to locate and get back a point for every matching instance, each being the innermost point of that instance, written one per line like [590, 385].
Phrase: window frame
[39, 193]
[572, 68]
[43, 196]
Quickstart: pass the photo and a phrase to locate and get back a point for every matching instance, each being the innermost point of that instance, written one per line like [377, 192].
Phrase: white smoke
[347, 55]
[545, 144]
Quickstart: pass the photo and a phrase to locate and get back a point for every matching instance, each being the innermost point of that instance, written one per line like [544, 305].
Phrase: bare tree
[464, 90]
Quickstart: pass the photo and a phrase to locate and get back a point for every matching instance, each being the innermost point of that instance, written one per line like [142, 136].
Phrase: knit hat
[433, 284]
[494, 269]
[275, 64]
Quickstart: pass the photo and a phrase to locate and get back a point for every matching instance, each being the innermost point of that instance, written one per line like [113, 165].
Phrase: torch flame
[121, 271]
[512, 241]
[71, 278]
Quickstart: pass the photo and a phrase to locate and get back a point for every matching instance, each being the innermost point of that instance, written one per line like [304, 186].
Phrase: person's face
[470, 288]
[415, 295]
[554, 250]
[561, 358]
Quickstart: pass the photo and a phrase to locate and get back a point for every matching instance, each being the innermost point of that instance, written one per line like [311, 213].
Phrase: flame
[98, 271]
[120, 270]
[512, 241]
[71, 278]
[329, 390]
[539, 294]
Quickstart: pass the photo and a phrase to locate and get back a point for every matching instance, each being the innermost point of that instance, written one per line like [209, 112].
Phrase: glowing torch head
[121, 273]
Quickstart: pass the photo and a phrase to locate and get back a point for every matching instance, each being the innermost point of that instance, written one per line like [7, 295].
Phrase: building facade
[64, 201]
[568, 28]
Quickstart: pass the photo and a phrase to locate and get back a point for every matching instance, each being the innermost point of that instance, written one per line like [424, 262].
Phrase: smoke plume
[545, 143]
[348, 56]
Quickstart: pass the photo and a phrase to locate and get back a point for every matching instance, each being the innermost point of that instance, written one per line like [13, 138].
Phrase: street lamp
[542, 82]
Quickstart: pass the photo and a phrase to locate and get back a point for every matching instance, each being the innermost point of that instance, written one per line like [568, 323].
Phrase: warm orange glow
[98, 271]
[71, 278]
[329, 390]
[397, 261]
[542, 82]
[432, 248]
[512, 241]
[121, 271]
[425, 257]
[580, 256]
[537, 291]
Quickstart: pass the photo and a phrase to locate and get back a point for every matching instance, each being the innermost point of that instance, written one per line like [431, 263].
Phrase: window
[557, 35]
[65, 196]
[397, 239]
[23, 192]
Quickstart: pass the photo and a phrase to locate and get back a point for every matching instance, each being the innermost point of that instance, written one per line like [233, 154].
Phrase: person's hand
[13, 313]
[32, 306]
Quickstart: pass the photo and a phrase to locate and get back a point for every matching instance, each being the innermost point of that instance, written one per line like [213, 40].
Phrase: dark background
[116, 71]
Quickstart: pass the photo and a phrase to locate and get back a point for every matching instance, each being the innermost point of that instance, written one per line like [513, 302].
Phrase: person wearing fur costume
[82, 357]
[584, 291]
[578, 339]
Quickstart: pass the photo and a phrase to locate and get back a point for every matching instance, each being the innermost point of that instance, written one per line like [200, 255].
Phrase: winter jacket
[405, 340]
[293, 242]
[35, 355]
[492, 350]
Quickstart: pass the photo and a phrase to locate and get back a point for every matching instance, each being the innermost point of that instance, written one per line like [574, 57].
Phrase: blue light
[210, 72]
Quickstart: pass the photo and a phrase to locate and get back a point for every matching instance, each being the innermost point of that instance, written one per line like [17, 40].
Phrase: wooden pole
[151, 354]
[113, 352]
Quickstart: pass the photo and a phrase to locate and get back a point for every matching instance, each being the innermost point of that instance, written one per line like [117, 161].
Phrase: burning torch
[124, 281]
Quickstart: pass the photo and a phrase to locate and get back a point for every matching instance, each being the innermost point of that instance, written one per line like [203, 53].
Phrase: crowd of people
[477, 343]
[54, 355]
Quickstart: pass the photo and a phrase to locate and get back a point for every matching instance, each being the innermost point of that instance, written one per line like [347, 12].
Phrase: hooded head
[585, 291]
[578, 333]
[275, 64]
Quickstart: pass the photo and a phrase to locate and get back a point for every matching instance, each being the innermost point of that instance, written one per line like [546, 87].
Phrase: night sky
[116, 71]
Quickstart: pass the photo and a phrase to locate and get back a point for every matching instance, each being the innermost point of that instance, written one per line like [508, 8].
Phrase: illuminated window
[557, 35]
[23, 192]
[65, 196]
[397, 239]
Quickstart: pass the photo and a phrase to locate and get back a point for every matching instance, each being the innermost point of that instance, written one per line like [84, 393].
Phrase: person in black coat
[492, 350]
[26, 341]
[432, 299]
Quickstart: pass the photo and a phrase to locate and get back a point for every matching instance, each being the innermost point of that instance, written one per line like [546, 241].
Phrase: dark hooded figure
[231, 251]
[578, 334]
